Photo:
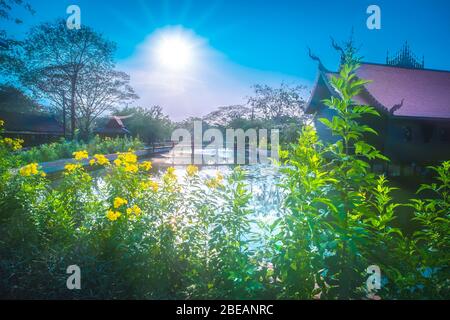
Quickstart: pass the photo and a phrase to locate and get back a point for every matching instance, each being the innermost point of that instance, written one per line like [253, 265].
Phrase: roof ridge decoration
[316, 58]
[405, 58]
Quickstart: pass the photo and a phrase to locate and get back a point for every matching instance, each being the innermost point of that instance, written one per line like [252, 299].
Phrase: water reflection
[261, 179]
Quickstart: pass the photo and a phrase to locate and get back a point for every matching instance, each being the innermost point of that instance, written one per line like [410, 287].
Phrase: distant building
[34, 129]
[414, 102]
[113, 128]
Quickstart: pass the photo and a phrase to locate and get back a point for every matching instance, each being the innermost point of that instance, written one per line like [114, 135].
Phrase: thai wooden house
[414, 103]
[113, 128]
[34, 129]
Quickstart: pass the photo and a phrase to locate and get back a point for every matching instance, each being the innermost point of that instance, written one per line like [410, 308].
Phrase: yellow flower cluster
[113, 215]
[128, 161]
[71, 167]
[80, 155]
[216, 182]
[14, 144]
[150, 185]
[30, 170]
[127, 157]
[192, 170]
[170, 176]
[118, 202]
[146, 165]
[134, 210]
[100, 160]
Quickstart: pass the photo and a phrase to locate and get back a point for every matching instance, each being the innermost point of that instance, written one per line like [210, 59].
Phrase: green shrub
[65, 148]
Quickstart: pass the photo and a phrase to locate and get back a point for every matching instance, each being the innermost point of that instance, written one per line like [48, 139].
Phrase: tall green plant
[327, 187]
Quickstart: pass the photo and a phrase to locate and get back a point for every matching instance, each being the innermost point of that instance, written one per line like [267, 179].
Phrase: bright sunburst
[175, 51]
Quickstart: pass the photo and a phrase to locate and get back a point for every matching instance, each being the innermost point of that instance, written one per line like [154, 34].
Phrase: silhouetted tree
[56, 57]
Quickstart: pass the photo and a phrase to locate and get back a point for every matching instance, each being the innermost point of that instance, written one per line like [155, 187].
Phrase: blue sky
[243, 42]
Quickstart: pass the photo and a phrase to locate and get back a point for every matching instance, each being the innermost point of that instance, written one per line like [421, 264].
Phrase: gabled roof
[403, 92]
[114, 126]
[30, 123]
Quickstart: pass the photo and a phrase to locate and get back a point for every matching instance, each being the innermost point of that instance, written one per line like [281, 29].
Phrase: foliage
[184, 235]
[132, 234]
[151, 125]
[65, 148]
[340, 216]
[270, 108]
[14, 100]
[73, 70]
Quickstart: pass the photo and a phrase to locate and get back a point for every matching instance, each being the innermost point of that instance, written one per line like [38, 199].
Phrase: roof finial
[316, 58]
[405, 58]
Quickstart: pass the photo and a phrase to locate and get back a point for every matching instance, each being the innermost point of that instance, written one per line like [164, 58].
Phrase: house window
[427, 132]
[444, 135]
[407, 133]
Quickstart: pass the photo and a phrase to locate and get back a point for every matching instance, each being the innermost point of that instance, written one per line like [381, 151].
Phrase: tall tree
[224, 115]
[14, 100]
[9, 61]
[55, 57]
[98, 91]
[7, 5]
[276, 103]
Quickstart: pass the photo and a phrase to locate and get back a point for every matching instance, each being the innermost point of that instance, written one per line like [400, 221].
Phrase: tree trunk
[72, 107]
[64, 115]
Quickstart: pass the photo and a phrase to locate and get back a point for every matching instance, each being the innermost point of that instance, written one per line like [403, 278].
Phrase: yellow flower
[132, 168]
[215, 182]
[134, 210]
[170, 176]
[211, 183]
[146, 165]
[150, 185]
[154, 186]
[29, 170]
[92, 162]
[113, 215]
[15, 144]
[128, 157]
[118, 162]
[71, 167]
[80, 155]
[118, 202]
[191, 170]
[101, 159]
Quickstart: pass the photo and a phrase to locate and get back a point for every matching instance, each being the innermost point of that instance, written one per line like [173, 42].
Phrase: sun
[175, 51]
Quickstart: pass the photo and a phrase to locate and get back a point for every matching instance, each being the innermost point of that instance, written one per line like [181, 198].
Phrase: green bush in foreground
[65, 148]
[136, 236]
[339, 217]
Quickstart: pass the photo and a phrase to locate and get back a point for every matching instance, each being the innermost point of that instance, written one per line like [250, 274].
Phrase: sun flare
[174, 51]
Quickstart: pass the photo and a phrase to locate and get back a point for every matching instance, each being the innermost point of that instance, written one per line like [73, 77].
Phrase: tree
[224, 115]
[55, 57]
[13, 99]
[98, 91]
[7, 5]
[9, 61]
[276, 103]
